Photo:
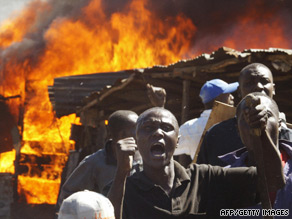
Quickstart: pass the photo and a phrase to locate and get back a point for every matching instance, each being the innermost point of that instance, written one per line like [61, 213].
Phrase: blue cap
[212, 89]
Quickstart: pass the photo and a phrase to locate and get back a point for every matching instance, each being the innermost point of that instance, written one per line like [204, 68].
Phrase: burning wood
[42, 166]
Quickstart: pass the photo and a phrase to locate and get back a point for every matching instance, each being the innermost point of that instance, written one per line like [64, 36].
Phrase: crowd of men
[243, 163]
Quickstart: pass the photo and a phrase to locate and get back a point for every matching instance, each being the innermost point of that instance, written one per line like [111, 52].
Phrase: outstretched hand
[157, 95]
[262, 142]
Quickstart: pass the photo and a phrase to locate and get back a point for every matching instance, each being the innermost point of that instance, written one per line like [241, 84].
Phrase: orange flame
[14, 31]
[38, 190]
[7, 162]
[134, 38]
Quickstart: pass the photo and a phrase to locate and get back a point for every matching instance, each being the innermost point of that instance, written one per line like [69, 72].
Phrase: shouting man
[165, 189]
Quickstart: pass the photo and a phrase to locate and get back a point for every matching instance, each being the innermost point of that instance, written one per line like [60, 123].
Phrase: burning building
[55, 38]
[182, 82]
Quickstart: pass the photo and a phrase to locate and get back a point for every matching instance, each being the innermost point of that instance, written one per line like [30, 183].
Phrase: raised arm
[125, 149]
[258, 123]
[262, 118]
[156, 95]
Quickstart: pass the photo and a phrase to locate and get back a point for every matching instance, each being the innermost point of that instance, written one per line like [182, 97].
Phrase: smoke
[214, 20]
[33, 43]
[9, 7]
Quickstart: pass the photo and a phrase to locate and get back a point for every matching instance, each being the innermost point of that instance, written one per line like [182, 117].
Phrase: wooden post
[183, 159]
[185, 101]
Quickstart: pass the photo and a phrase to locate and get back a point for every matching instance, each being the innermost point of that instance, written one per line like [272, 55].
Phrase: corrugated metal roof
[68, 92]
[224, 63]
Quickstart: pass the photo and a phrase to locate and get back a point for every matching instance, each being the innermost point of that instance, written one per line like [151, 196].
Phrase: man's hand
[125, 149]
[157, 95]
[255, 113]
[262, 143]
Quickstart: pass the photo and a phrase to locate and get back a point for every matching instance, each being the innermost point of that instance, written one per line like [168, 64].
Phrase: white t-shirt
[190, 134]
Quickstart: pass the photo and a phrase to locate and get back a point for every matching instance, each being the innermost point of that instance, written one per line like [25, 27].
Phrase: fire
[92, 42]
[7, 162]
[34, 187]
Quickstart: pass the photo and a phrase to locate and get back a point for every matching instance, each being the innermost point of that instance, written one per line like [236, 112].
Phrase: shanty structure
[107, 92]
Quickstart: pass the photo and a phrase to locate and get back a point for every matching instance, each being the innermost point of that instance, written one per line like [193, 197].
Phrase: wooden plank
[185, 101]
[220, 112]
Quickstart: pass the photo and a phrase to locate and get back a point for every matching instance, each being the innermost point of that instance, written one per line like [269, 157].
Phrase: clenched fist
[125, 149]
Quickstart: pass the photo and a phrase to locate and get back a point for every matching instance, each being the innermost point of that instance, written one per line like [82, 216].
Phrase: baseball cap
[86, 204]
[213, 88]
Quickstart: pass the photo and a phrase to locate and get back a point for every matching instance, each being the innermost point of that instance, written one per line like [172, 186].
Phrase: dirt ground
[27, 211]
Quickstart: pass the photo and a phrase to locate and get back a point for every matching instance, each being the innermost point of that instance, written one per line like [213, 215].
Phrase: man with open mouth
[165, 189]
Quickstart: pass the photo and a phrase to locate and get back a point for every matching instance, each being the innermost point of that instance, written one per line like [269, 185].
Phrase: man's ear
[274, 89]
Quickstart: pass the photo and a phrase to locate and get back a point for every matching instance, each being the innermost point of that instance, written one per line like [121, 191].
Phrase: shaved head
[120, 121]
[256, 77]
[154, 110]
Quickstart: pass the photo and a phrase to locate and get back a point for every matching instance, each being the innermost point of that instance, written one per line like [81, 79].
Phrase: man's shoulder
[138, 182]
[96, 156]
[229, 124]
[204, 116]
[137, 177]
[188, 123]
[285, 133]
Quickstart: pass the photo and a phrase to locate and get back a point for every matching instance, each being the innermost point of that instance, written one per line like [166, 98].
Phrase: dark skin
[256, 78]
[126, 132]
[224, 98]
[267, 139]
[249, 118]
[156, 95]
[253, 78]
[157, 136]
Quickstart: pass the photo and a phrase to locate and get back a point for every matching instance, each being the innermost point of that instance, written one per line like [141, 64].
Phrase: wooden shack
[94, 97]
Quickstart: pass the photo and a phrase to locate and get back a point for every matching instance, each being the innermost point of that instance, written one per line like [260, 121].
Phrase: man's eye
[269, 114]
[265, 81]
[167, 128]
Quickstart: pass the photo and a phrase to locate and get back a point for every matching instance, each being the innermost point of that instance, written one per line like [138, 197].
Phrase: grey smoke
[214, 19]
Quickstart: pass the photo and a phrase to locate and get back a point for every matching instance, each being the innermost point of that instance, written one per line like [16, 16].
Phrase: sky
[7, 7]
